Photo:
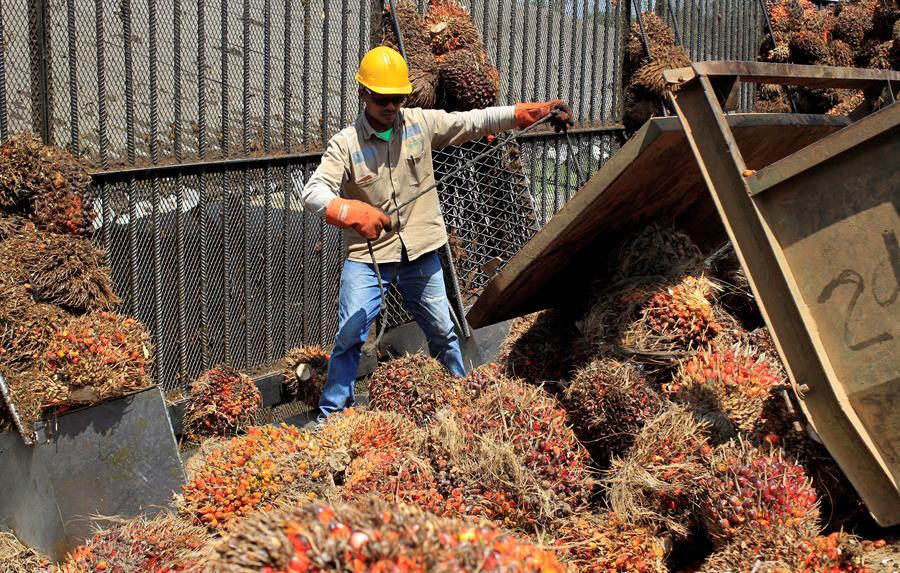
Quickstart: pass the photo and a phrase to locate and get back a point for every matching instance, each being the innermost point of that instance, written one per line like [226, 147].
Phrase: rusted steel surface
[786, 74]
[817, 233]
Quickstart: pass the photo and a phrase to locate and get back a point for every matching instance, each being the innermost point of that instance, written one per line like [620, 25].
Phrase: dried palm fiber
[753, 489]
[270, 466]
[451, 28]
[538, 347]
[17, 558]
[94, 357]
[221, 402]
[734, 294]
[372, 535]
[781, 423]
[782, 552]
[656, 250]
[649, 75]
[164, 543]
[467, 81]
[417, 43]
[852, 24]
[28, 169]
[601, 543]
[734, 381]
[415, 386]
[657, 482]
[658, 35]
[15, 227]
[64, 270]
[394, 475]
[807, 47]
[305, 372]
[608, 402]
[780, 105]
[531, 420]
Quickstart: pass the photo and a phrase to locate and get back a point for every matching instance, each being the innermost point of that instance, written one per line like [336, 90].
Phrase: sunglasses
[384, 100]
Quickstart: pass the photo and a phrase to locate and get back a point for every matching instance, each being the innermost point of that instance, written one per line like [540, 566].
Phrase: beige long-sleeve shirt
[359, 165]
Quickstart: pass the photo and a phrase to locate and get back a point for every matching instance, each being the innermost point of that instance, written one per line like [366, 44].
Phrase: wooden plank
[653, 178]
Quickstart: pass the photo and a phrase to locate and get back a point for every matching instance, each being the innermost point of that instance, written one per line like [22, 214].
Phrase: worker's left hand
[561, 120]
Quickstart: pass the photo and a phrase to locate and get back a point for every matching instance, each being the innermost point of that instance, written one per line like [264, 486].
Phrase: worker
[373, 166]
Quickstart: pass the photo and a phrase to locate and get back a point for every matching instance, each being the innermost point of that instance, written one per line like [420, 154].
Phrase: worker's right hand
[365, 219]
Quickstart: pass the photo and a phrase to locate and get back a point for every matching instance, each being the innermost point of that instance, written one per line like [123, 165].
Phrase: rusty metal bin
[811, 206]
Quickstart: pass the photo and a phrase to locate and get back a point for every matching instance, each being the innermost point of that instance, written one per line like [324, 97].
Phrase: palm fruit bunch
[884, 18]
[26, 327]
[807, 47]
[782, 424]
[646, 90]
[532, 423]
[735, 381]
[748, 489]
[657, 483]
[852, 24]
[94, 357]
[838, 552]
[603, 543]
[608, 402]
[468, 80]
[269, 466]
[658, 35]
[423, 72]
[656, 250]
[305, 372]
[415, 386]
[358, 431]
[46, 184]
[396, 476]
[163, 543]
[480, 477]
[537, 347]
[221, 402]
[372, 535]
[451, 27]
[680, 315]
[63, 270]
[840, 54]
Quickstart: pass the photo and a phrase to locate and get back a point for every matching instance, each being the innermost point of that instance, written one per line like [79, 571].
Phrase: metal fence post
[39, 53]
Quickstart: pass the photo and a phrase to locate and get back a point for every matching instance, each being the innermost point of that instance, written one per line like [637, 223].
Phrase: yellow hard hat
[384, 71]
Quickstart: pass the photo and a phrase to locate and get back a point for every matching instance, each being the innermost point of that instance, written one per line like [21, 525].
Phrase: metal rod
[41, 66]
[4, 112]
[674, 23]
[73, 79]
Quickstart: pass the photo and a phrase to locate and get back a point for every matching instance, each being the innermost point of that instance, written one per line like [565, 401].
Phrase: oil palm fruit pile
[163, 543]
[600, 542]
[267, 467]
[61, 342]
[448, 65]
[687, 415]
[858, 33]
[221, 402]
[372, 535]
[305, 371]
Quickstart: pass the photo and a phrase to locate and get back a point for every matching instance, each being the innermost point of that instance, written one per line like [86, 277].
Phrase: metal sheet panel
[116, 458]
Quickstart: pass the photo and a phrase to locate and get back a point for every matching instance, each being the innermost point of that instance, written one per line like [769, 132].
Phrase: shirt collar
[368, 131]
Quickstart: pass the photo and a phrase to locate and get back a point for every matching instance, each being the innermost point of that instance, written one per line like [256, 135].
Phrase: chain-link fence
[201, 119]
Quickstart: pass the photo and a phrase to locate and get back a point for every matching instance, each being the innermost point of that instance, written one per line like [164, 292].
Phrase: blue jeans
[421, 283]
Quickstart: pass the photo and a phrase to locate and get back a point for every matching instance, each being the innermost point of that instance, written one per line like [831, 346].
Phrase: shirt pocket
[418, 162]
[368, 185]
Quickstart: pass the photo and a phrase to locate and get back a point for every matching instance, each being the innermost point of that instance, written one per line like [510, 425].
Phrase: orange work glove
[365, 219]
[528, 113]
